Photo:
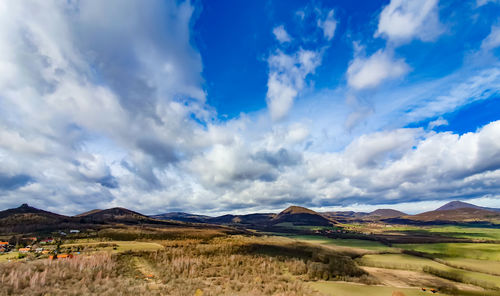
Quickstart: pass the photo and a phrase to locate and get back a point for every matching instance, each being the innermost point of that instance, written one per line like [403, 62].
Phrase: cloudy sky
[243, 106]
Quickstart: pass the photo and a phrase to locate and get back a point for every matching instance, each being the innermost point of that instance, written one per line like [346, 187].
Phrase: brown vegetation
[211, 266]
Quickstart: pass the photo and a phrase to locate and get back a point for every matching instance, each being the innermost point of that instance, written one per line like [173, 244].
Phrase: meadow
[242, 265]
[344, 244]
[142, 260]
[473, 233]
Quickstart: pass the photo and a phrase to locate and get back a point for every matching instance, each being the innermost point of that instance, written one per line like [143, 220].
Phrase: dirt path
[148, 272]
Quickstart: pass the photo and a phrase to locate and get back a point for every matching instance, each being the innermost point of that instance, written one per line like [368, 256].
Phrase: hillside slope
[301, 216]
[454, 205]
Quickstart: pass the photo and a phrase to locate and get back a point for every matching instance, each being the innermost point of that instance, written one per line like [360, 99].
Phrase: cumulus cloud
[368, 72]
[97, 106]
[88, 70]
[281, 34]
[287, 74]
[328, 25]
[402, 21]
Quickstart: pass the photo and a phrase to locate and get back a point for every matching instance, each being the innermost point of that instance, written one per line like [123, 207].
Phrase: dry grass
[96, 274]
[234, 265]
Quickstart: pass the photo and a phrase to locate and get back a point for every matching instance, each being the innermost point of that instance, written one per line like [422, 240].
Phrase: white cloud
[403, 20]
[370, 72]
[438, 122]
[287, 74]
[96, 112]
[328, 25]
[484, 2]
[281, 34]
[493, 39]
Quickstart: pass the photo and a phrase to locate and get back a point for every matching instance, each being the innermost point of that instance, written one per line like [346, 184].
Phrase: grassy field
[349, 243]
[303, 227]
[228, 265]
[492, 267]
[457, 250]
[352, 289]
[8, 256]
[407, 262]
[475, 233]
[117, 246]
[397, 261]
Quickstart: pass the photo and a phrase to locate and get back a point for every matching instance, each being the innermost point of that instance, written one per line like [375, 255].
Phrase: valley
[295, 252]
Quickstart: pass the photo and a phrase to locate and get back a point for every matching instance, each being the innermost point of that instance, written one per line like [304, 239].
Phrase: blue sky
[232, 106]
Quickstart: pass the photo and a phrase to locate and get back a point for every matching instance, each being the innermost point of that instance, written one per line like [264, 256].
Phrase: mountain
[88, 213]
[453, 205]
[301, 216]
[27, 214]
[181, 216]
[458, 215]
[386, 213]
[26, 218]
[257, 219]
[116, 215]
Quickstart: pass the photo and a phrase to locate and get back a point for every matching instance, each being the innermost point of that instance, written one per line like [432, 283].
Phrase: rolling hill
[27, 218]
[119, 215]
[458, 215]
[386, 213]
[453, 205]
[301, 216]
[181, 216]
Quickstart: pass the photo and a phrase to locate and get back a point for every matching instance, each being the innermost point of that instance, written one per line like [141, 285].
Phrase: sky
[217, 107]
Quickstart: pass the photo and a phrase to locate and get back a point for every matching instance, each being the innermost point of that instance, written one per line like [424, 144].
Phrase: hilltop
[301, 216]
[387, 213]
[454, 205]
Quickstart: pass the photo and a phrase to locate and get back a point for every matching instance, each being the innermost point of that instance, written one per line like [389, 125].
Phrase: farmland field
[118, 246]
[397, 261]
[349, 243]
[407, 262]
[8, 256]
[474, 233]
[351, 289]
[484, 266]
[463, 250]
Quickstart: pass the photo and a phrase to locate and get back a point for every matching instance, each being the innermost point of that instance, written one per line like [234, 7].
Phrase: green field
[122, 246]
[484, 266]
[349, 243]
[397, 261]
[407, 262]
[476, 233]
[303, 227]
[460, 250]
[351, 289]
[8, 256]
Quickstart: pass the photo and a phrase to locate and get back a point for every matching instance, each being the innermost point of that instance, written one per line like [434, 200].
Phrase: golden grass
[231, 265]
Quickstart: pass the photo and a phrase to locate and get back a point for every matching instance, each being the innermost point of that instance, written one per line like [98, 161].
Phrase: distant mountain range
[27, 218]
[455, 211]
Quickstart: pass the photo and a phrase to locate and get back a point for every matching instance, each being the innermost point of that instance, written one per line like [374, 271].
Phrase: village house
[4, 247]
[47, 241]
[24, 250]
[74, 231]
